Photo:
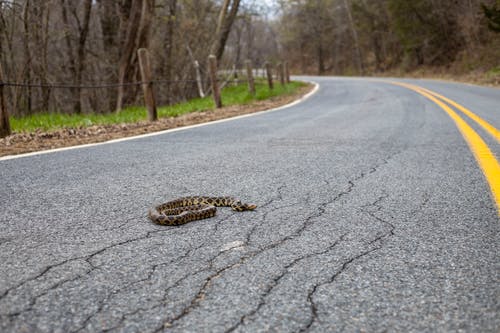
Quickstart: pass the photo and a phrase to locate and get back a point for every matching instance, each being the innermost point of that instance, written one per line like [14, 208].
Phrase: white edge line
[48, 151]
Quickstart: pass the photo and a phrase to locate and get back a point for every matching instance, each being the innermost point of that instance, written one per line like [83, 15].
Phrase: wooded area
[357, 37]
[94, 42]
[87, 43]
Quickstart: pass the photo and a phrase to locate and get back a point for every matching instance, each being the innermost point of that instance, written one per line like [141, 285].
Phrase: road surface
[373, 215]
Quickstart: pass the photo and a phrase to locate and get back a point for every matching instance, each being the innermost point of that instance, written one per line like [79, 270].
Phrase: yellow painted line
[484, 157]
[484, 124]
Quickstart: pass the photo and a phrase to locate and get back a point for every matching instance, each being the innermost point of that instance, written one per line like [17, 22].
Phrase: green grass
[493, 71]
[231, 95]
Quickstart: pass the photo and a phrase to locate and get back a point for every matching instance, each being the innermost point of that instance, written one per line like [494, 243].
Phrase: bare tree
[357, 49]
[77, 61]
[137, 36]
[4, 114]
[109, 38]
[27, 61]
[96, 41]
[169, 45]
[227, 15]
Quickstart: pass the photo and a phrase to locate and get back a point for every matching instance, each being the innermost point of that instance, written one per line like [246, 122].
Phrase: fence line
[88, 86]
[281, 73]
[101, 86]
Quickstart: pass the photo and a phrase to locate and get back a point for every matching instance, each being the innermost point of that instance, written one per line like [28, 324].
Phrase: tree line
[95, 42]
[372, 36]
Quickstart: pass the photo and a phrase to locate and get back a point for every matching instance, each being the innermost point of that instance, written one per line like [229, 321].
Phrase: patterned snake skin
[187, 209]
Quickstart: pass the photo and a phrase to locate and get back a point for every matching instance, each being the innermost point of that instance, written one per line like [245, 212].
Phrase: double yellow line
[484, 157]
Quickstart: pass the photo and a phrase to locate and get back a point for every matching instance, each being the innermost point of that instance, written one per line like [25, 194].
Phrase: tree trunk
[109, 23]
[110, 27]
[72, 62]
[321, 59]
[137, 36]
[44, 66]
[27, 53]
[237, 59]
[4, 114]
[128, 50]
[77, 63]
[357, 50]
[147, 14]
[303, 57]
[169, 46]
[250, 41]
[226, 19]
[81, 54]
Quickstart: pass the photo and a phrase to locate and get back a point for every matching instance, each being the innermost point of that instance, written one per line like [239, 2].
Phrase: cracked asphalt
[373, 216]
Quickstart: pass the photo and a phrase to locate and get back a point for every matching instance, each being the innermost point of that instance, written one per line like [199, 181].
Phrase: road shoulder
[21, 143]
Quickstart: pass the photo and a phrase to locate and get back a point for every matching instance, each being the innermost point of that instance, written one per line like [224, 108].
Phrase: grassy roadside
[231, 95]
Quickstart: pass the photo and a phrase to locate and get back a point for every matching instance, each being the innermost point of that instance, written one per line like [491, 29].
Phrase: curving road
[373, 215]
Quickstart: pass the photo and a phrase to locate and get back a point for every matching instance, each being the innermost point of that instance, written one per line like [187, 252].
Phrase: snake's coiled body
[187, 209]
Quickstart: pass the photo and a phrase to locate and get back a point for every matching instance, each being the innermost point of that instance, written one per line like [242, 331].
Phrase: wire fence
[105, 85]
[210, 85]
[87, 86]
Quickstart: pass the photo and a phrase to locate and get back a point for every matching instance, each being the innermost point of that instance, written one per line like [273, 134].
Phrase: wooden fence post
[212, 66]
[198, 79]
[251, 83]
[287, 72]
[4, 114]
[281, 73]
[269, 73]
[147, 85]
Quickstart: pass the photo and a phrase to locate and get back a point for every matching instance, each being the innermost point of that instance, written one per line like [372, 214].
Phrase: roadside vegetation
[418, 38]
[231, 95]
[81, 57]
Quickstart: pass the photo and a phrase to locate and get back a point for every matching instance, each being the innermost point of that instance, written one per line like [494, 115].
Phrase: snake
[186, 209]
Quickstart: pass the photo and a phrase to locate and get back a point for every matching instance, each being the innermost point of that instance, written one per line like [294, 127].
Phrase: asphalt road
[373, 215]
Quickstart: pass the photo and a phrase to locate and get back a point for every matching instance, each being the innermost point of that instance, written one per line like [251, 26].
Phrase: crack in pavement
[124, 316]
[87, 258]
[351, 185]
[209, 268]
[276, 280]
[310, 294]
[202, 291]
[150, 275]
[206, 268]
[34, 299]
[266, 213]
[373, 215]
[346, 264]
[320, 211]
